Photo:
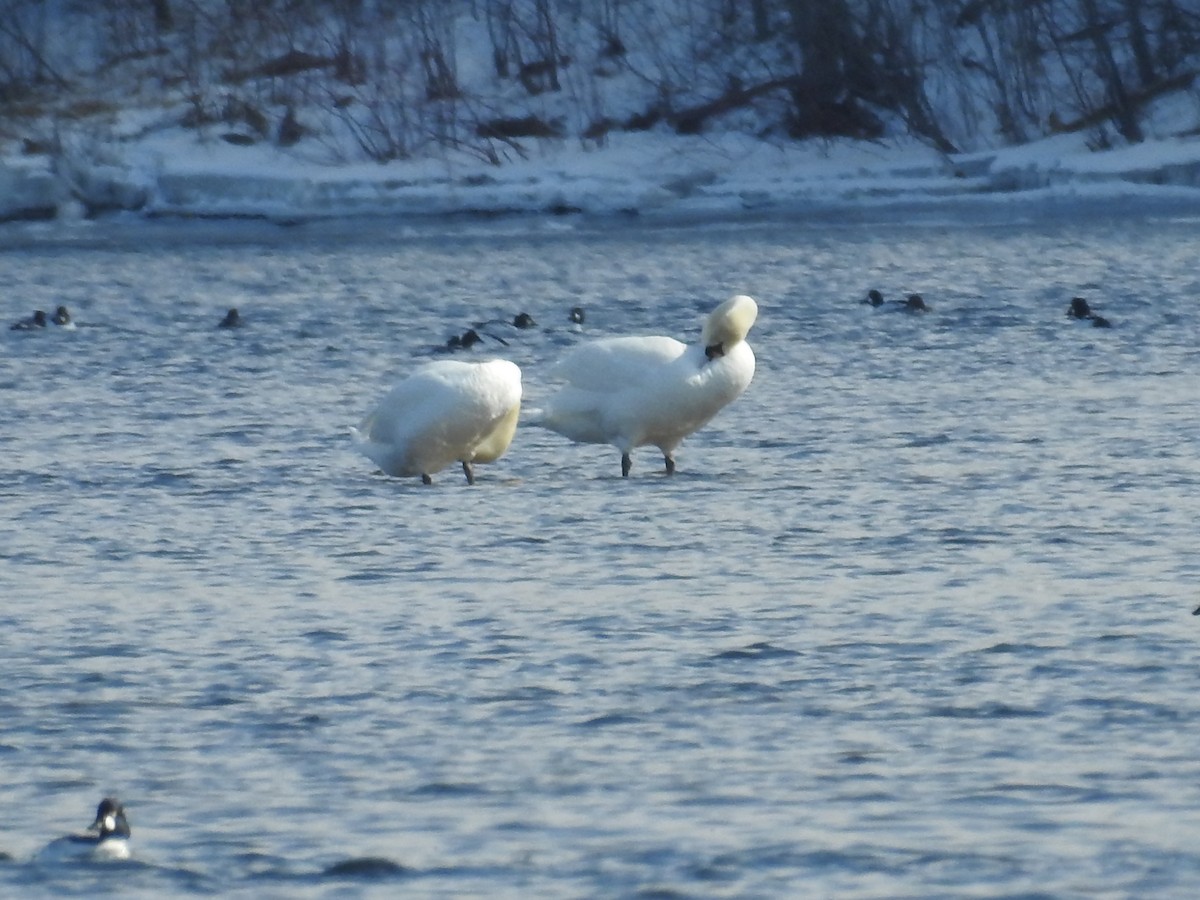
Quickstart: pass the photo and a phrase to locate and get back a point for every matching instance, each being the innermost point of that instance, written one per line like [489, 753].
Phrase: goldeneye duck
[37, 320]
[1079, 309]
[108, 837]
[62, 318]
[466, 340]
[232, 319]
[915, 303]
[576, 315]
[874, 298]
[520, 320]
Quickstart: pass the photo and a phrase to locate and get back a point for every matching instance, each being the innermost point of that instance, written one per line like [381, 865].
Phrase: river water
[913, 619]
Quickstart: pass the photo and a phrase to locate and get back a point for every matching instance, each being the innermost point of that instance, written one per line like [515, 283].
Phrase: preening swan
[444, 411]
[634, 391]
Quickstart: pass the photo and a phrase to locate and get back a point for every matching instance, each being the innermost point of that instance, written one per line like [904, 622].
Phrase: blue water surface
[913, 619]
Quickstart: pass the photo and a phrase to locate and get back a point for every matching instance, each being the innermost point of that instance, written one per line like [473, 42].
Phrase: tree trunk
[1124, 115]
[163, 19]
[762, 21]
[825, 100]
[1140, 44]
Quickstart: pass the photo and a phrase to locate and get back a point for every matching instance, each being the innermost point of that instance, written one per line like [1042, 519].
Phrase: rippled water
[913, 619]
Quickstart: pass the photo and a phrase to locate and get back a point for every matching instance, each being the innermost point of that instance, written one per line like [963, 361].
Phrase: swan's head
[728, 324]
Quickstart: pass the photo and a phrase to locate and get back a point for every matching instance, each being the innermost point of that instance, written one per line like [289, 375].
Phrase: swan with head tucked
[444, 411]
[637, 391]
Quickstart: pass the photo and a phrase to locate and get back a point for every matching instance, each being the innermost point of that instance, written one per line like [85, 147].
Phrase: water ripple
[912, 620]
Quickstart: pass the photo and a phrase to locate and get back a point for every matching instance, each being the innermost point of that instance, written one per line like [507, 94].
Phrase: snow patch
[649, 173]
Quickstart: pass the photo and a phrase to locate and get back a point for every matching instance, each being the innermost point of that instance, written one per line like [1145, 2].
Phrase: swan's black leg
[469, 472]
[626, 465]
[425, 479]
[670, 461]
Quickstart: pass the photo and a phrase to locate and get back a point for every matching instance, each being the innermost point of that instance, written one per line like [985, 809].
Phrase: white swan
[444, 411]
[634, 391]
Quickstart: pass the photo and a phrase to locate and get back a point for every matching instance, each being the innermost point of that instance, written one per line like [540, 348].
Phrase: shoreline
[652, 178]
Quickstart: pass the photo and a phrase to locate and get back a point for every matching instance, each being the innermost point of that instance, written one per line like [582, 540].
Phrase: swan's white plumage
[445, 411]
[636, 391]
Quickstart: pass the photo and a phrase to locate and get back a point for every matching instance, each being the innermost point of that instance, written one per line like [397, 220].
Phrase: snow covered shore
[645, 174]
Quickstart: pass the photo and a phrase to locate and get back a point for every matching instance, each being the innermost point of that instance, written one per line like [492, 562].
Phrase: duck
[464, 341]
[576, 316]
[637, 391]
[1081, 309]
[444, 411]
[107, 837]
[62, 318]
[521, 320]
[37, 320]
[874, 298]
[233, 319]
[915, 303]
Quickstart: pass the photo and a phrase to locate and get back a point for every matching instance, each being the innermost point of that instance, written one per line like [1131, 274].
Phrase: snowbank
[646, 174]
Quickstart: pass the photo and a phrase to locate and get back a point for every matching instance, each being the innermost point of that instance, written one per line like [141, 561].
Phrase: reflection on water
[912, 619]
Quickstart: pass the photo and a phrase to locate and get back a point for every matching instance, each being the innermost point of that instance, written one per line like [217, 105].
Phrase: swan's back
[614, 363]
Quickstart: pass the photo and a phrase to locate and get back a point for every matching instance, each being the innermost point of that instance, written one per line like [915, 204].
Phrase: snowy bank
[645, 174]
